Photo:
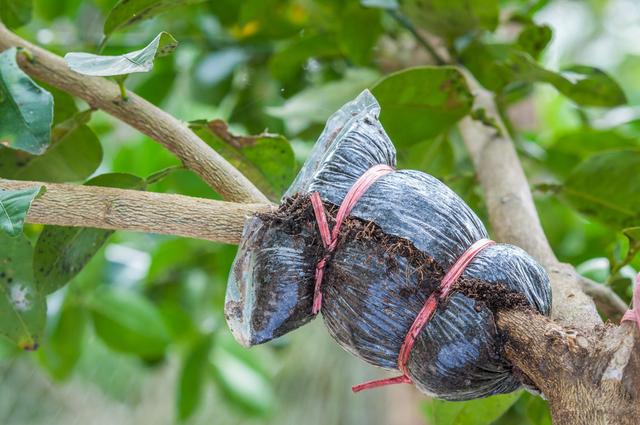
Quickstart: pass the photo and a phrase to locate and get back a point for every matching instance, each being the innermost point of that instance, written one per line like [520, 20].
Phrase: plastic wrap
[404, 233]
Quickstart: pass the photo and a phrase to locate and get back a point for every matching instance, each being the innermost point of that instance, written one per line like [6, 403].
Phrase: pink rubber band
[425, 315]
[633, 314]
[330, 238]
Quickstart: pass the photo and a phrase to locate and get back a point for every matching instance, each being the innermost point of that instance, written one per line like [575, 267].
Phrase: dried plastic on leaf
[402, 235]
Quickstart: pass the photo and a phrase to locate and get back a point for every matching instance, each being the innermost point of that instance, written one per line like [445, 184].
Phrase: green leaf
[315, 104]
[570, 148]
[453, 18]
[266, 159]
[587, 141]
[534, 38]
[50, 10]
[74, 154]
[192, 377]
[606, 187]
[419, 103]
[128, 12]
[137, 61]
[23, 309]
[498, 66]
[62, 252]
[14, 205]
[433, 156]
[358, 32]
[61, 351]
[15, 13]
[475, 412]
[589, 86]
[489, 64]
[117, 180]
[241, 385]
[26, 109]
[128, 322]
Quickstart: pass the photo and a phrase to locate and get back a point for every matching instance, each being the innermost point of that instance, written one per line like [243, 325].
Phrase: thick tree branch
[589, 373]
[588, 377]
[512, 212]
[140, 114]
[138, 211]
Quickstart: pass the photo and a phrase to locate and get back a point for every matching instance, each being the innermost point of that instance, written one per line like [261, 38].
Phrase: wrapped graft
[393, 250]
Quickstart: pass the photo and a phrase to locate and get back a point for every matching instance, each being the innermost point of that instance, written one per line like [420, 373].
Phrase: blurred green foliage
[257, 79]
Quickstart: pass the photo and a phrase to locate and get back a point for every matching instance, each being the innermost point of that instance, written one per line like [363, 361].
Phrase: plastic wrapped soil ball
[404, 236]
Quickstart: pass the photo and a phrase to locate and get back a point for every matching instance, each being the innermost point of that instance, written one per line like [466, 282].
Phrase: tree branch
[587, 377]
[138, 211]
[512, 212]
[589, 373]
[140, 114]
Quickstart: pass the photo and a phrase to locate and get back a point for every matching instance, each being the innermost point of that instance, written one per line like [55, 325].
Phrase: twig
[424, 42]
[606, 300]
[138, 211]
[140, 114]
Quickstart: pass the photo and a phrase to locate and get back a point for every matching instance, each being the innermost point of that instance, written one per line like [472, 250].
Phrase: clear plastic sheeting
[372, 293]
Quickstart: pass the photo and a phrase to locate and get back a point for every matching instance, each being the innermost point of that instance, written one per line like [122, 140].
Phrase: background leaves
[15, 13]
[474, 412]
[453, 18]
[128, 322]
[607, 187]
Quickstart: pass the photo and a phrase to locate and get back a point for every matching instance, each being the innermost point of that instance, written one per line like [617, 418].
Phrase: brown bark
[132, 210]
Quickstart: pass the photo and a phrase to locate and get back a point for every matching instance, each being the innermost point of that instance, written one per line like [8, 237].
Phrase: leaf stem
[634, 248]
[27, 54]
[123, 89]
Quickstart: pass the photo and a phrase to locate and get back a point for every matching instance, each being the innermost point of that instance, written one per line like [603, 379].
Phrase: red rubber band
[425, 315]
[633, 314]
[330, 238]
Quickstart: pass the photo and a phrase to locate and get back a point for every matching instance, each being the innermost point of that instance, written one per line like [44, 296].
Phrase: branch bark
[174, 135]
[138, 211]
[589, 373]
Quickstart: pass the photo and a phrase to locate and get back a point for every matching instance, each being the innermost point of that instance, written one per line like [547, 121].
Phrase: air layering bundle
[397, 263]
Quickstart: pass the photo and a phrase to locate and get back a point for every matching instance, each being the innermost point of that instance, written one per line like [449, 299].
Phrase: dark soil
[496, 296]
[295, 217]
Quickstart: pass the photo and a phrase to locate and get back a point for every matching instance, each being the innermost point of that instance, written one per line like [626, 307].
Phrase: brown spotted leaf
[265, 159]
